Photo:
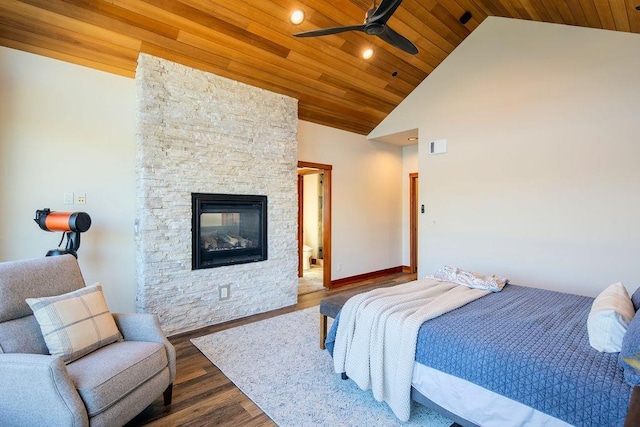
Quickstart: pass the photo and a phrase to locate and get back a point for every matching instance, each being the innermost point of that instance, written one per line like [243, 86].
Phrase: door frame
[300, 215]
[326, 220]
[413, 223]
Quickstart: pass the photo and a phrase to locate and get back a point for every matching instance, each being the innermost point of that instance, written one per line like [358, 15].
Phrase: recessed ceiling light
[297, 16]
[367, 53]
[412, 138]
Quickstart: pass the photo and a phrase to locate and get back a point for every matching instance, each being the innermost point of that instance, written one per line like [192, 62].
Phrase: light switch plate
[438, 147]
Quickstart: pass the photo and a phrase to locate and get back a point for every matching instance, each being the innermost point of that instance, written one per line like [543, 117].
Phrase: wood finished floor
[203, 396]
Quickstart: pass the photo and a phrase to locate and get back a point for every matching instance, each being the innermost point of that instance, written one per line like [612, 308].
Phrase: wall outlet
[68, 198]
[223, 292]
[339, 266]
[81, 199]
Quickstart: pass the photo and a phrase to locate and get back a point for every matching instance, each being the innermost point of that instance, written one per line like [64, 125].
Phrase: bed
[517, 357]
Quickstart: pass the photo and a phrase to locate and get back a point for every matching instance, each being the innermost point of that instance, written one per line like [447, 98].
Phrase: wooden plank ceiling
[251, 41]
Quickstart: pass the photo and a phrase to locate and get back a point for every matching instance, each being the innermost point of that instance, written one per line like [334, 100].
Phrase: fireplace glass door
[228, 229]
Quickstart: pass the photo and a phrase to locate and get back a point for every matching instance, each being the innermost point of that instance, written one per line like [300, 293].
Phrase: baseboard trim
[406, 269]
[360, 277]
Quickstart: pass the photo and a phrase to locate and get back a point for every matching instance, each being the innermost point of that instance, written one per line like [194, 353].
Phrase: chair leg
[323, 330]
[168, 394]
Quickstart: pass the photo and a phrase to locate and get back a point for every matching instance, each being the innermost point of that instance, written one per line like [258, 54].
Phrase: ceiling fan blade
[397, 40]
[385, 10]
[330, 30]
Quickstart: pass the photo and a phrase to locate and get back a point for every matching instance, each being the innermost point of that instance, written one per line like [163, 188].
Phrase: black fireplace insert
[228, 229]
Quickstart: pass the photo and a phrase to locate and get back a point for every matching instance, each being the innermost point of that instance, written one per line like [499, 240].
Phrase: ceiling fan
[375, 24]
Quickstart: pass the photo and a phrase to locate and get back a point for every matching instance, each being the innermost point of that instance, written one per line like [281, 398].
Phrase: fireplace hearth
[228, 229]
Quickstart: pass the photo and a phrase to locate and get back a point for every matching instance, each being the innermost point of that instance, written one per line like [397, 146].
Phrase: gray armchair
[107, 387]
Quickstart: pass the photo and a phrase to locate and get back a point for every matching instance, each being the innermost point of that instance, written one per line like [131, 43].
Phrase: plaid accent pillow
[76, 323]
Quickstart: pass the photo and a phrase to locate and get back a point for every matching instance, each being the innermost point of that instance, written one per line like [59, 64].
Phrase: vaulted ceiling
[251, 41]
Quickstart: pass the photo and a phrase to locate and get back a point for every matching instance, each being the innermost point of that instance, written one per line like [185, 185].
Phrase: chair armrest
[145, 327]
[35, 389]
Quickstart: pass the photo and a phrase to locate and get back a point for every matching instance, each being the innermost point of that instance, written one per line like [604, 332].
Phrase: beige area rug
[278, 364]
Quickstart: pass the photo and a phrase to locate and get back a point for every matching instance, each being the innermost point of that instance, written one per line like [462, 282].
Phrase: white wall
[540, 182]
[366, 200]
[66, 128]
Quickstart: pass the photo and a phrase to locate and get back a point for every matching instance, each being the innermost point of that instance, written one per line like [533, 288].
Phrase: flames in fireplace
[226, 236]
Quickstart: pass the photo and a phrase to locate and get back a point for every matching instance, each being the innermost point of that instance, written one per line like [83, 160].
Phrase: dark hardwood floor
[203, 396]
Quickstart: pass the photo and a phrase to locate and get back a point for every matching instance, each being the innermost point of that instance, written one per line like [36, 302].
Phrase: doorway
[314, 227]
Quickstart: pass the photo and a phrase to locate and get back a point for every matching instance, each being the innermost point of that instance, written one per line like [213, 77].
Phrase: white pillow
[609, 317]
[76, 323]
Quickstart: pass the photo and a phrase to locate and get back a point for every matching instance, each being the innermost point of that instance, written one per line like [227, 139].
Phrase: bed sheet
[476, 404]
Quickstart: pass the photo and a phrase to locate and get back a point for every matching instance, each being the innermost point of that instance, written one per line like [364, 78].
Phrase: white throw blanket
[470, 279]
[376, 338]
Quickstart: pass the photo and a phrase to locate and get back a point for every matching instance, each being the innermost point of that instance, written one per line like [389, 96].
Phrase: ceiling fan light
[296, 17]
[367, 53]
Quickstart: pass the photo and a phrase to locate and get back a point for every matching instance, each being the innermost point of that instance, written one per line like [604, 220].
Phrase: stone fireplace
[201, 133]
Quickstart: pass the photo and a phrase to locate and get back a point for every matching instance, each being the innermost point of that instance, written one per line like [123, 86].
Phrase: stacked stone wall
[202, 133]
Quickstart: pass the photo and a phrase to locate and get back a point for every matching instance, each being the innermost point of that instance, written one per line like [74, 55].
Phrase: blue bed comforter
[532, 346]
